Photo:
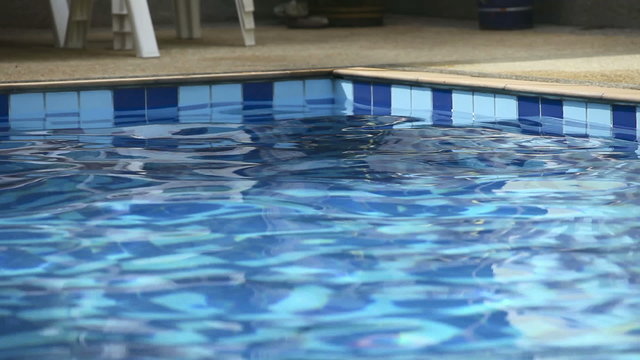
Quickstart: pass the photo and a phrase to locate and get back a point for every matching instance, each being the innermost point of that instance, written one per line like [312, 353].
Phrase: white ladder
[132, 25]
[188, 23]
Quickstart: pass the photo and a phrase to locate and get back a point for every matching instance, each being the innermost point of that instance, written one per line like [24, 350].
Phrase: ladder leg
[78, 24]
[60, 13]
[247, 25]
[121, 26]
[143, 33]
[188, 19]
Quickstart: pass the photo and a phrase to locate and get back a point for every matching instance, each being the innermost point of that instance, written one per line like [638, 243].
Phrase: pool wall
[442, 99]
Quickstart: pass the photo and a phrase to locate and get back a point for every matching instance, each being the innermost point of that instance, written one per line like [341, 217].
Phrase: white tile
[421, 99]
[96, 109]
[484, 106]
[401, 100]
[343, 90]
[506, 107]
[599, 120]
[319, 92]
[226, 94]
[63, 110]
[288, 93]
[226, 103]
[462, 102]
[638, 122]
[26, 111]
[194, 104]
[575, 117]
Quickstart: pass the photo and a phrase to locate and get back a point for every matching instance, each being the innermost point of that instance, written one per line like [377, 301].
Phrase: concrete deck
[604, 57]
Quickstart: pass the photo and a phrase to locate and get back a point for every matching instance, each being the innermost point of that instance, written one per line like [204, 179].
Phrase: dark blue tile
[162, 105]
[442, 107]
[624, 122]
[257, 92]
[129, 99]
[528, 106]
[4, 112]
[381, 99]
[257, 96]
[362, 98]
[552, 108]
[442, 100]
[129, 107]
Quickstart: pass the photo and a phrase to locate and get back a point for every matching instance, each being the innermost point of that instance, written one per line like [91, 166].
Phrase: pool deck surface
[606, 58]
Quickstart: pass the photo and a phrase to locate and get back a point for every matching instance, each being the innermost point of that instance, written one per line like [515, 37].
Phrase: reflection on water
[341, 237]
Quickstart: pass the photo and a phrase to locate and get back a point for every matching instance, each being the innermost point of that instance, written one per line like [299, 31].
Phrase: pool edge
[496, 84]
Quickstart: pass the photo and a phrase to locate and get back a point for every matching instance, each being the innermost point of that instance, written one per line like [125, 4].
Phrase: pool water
[332, 237]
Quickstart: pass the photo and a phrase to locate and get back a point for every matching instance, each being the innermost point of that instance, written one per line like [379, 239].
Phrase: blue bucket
[505, 14]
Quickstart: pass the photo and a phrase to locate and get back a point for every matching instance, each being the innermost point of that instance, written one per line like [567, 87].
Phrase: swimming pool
[317, 218]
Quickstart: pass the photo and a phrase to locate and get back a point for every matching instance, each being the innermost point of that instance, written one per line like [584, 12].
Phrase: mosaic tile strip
[133, 106]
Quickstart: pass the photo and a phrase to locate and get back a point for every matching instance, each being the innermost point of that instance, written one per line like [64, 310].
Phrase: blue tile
[257, 101]
[343, 90]
[575, 118]
[226, 103]
[638, 123]
[257, 96]
[26, 111]
[96, 109]
[484, 106]
[401, 100]
[62, 110]
[551, 108]
[4, 112]
[506, 107]
[288, 99]
[162, 105]
[129, 106]
[421, 102]
[259, 92]
[624, 122]
[442, 106]
[599, 120]
[528, 106]
[226, 94]
[462, 106]
[194, 103]
[288, 93]
[362, 98]
[319, 92]
[442, 100]
[381, 99]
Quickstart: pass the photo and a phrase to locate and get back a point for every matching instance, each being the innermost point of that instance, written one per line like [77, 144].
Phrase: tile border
[494, 84]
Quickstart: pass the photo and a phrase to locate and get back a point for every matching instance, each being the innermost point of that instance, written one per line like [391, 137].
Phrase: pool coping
[598, 93]
[551, 89]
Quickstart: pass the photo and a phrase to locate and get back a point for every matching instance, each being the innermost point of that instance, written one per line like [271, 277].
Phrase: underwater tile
[343, 90]
[319, 92]
[528, 106]
[484, 106]
[624, 122]
[26, 111]
[288, 93]
[575, 118]
[506, 106]
[96, 109]
[194, 103]
[599, 120]
[401, 100]
[63, 110]
[362, 98]
[381, 99]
